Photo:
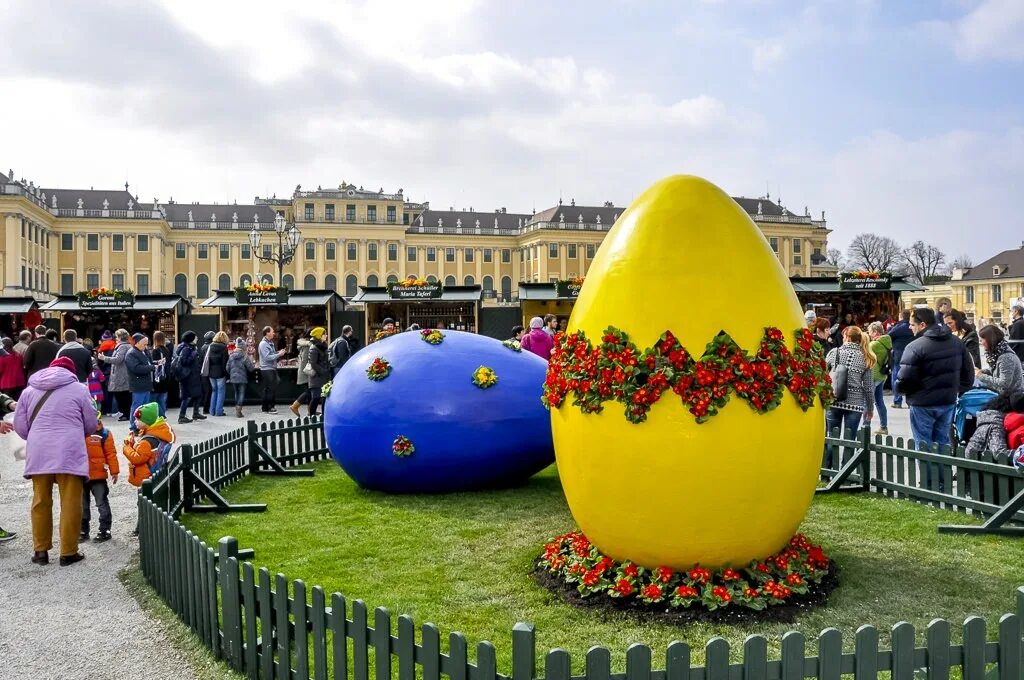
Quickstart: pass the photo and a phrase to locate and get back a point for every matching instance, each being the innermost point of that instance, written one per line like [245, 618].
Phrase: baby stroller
[965, 414]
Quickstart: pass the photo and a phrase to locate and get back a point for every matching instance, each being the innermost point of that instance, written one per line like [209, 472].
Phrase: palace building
[58, 241]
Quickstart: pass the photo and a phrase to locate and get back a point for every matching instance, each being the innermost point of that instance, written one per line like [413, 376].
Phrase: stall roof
[297, 298]
[69, 303]
[448, 294]
[539, 291]
[823, 284]
[18, 305]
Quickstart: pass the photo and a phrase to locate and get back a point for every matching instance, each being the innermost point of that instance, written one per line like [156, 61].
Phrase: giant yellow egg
[672, 491]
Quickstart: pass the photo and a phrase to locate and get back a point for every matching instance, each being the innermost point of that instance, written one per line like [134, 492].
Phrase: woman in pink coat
[54, 416]
[537, 341]
[12, 373]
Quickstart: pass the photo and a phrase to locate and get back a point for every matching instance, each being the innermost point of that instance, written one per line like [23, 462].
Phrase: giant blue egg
[463, 437]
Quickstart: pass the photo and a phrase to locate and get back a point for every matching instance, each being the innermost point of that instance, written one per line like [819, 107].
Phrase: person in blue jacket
[901, 335]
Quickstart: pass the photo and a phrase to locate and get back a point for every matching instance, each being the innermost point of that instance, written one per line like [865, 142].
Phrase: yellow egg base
[673, 492]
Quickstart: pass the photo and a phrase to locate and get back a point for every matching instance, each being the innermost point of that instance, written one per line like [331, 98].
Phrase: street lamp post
[287, 244]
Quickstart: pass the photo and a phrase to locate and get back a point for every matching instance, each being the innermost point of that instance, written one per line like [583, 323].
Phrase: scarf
[991, 356]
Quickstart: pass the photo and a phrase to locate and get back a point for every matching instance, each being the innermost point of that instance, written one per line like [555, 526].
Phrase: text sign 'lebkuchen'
[274, 296]
[400, 291]
[865, 281]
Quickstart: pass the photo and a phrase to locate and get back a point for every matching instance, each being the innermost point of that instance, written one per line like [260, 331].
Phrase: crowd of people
[930, 358]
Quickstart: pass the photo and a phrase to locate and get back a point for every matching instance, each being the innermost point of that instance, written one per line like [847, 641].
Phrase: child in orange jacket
[148, 450]
[102, 464]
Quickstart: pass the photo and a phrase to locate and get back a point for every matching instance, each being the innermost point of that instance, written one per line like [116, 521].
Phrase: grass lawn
[463, 562]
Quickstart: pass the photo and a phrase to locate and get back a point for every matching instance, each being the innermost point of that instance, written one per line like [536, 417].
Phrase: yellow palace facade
[56, 242]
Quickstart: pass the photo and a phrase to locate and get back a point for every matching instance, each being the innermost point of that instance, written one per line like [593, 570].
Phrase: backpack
[177, 371]
[338, 353]
[161, 452]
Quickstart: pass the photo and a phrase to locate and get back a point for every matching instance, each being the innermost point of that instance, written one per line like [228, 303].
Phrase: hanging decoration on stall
[569, 288]
[865, 280]
[261, 294]
[105, 297]
[412, 288]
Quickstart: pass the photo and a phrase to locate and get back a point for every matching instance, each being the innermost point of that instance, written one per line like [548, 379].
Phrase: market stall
[541, 299]
[92, 313]
[868, 299]
[18, 314]
[245, 313]
[428, 304]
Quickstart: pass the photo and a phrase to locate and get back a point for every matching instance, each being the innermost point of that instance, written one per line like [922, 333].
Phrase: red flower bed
[616, 370]
[574, 560]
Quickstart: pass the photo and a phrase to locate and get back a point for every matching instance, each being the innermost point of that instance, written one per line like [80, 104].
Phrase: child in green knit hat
[147, 450]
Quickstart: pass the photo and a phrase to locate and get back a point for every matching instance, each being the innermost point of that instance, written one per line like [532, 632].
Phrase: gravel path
[80, 621]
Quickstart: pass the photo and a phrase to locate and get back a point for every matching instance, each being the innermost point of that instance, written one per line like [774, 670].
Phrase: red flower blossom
[631, 571]
[624, 587]
[686, 591]
[652, 592]
[664, 574]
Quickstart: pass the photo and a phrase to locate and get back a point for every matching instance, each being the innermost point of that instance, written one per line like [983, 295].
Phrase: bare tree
[834, 257]
[961, 262]
[923, 261]
[873, 253]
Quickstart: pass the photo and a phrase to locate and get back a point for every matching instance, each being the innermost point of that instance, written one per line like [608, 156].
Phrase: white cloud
[767, 54]
[992, 30]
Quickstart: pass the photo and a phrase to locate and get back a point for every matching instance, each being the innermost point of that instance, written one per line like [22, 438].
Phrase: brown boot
[295, 408]
[238, 411]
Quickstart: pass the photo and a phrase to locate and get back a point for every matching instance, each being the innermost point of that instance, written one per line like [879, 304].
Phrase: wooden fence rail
[268, 626]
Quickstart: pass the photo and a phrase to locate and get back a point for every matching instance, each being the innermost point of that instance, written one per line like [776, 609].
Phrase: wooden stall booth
[541, 299]
[245, 314]
[866, 300]
[18, 314]
[90, 314]
[429, 305]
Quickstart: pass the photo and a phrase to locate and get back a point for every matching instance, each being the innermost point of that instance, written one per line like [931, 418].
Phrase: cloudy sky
[903, 118]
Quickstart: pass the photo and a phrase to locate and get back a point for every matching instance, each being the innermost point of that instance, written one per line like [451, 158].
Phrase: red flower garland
[801, 564]
[616, 370]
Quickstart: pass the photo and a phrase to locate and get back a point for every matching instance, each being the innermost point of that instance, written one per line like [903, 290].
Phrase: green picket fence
[268, 626]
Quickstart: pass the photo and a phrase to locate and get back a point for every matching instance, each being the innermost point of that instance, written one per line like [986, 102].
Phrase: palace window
[488, 286]
[142, 243]
[351, 282]
[117, 243]
[92, 281]
[267, 252]
[391, 214]
[449, 255]
[798, 245]
[309, 282]
[179, 251]
[224, 282]
[431, 254]
[225, 251]
[329, 212]
[142, 284]
[506, 255]
[117, 281]
[969, 295]
[392, 252]
[331, 282]
[410, 253]
[92, 242]
[469, 281]
[203, 251]
[67, 242]
[552, 250]
[468, 254]
[571, 254]
[590, 251]
[371, 251]
[997, 292]
[246, 253]
[350, 251]
[310, 250]
[67, 284]
[797, 259]
[372, 281]
[288, 281]
[331, 250]
[202, 286]
[449, 280]
[773, 241]
[309, 212]
[371, 213]
[350, 215]
[488, 255]
[181, 285]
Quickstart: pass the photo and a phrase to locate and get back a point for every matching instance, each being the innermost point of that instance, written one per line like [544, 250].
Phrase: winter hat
[107, 335]
[536, 322]
[188, 338]
[209, 336]
[148, 413]
[810, 315]
[389, 320]
[317, 332]
[137, 338]
[239, 343]
[64, 362]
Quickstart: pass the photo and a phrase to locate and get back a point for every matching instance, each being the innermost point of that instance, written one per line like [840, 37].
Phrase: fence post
[250, 443]
[524, 652]
[231, 606]
[187, 483]
[865, 472]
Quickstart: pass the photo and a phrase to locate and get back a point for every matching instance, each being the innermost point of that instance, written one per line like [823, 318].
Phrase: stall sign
[569, 288]
[263, 295]
[865, 281]
[109, 299]
[401, 291]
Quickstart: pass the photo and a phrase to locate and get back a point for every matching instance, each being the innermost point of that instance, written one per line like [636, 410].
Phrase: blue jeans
[218, 390]
[849, 421]
[138, 399]
[883, 414]
[930, 425]
[161, 400]
[897, 398]
[239, 393]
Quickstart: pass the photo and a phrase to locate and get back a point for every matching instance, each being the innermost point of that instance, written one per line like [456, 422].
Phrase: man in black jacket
[78, 353]
[934, 370]
[40, 352]
[1017, 328]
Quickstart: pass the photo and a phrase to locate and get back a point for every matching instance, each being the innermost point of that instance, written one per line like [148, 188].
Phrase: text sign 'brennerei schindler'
[426, 291]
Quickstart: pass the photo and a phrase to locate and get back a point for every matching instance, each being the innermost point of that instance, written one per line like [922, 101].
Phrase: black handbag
[840, 376]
